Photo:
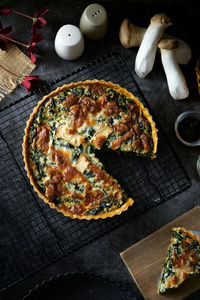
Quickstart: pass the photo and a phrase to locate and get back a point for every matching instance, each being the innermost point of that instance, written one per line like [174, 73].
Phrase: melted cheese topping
[82, 163]
[63, 132]
[101, 135]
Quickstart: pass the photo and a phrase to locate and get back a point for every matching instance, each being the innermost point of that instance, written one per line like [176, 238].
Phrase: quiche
[63, 136]
[182, 261]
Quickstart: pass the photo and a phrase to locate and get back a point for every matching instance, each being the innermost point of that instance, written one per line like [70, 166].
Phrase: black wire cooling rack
[33, 236]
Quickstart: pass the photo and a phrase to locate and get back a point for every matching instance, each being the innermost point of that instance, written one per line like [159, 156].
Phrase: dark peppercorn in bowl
[187, 128]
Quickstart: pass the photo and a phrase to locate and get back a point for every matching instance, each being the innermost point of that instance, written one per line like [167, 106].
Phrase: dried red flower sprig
[37, 18]
[5, 11]
[5, 37]
[29, 82]
[31, 49]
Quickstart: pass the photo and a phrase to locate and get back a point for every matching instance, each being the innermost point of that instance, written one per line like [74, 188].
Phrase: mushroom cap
[130, 35]
[125, 33]
[168, 44]
[161, 19]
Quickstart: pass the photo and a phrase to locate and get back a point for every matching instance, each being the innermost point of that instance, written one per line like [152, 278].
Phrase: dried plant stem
[14, 41]
[21, 14]
[8, 71]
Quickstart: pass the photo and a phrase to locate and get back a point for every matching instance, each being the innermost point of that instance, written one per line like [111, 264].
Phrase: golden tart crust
[116, 87]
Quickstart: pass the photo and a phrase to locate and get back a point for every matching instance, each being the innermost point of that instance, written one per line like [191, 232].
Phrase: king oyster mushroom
[175, 79]
[146, 54]
[131, 35]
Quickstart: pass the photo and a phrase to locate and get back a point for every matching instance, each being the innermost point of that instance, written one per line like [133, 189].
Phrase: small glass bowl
[186, 114]
[198, 165]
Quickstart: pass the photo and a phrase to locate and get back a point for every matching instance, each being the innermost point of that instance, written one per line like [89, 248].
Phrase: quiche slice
[182, 261]
[64, 132]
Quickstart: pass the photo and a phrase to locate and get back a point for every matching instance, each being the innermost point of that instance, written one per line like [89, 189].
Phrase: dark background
[101, 257]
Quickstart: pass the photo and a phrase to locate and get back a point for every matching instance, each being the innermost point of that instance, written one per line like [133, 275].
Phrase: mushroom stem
[131, 35]
[146, 54]
[175, 79]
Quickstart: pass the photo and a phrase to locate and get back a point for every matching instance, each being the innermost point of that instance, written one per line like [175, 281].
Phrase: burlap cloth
[198, 73]
[14, 60]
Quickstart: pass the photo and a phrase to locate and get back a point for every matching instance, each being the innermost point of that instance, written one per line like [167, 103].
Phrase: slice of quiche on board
[182, 261]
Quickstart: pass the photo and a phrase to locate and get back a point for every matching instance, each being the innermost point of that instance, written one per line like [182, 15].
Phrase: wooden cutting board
[144, 259]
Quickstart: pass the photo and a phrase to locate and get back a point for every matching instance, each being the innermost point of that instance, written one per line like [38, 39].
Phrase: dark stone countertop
[184, 14]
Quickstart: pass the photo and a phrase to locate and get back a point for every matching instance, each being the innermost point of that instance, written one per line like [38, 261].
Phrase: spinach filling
[58, 200]
[110, 139]
[78, 91]
[177, 236]
[39, 159]
[151, 145]
[107, 204]
[88, 92]
[88, 174]
[167, 272]
[84, 91]
[113, 95]
[61, 97]
[193, 246]
[94, 211]
[90, 131]
[42, 188]
[141, 126]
